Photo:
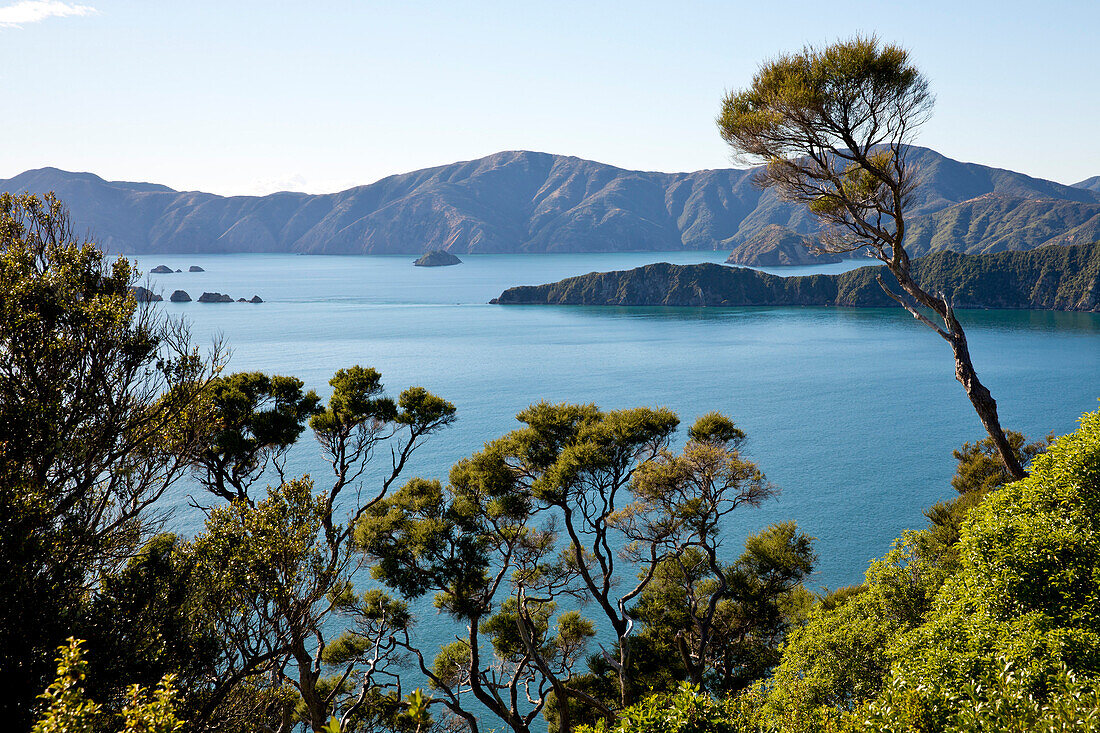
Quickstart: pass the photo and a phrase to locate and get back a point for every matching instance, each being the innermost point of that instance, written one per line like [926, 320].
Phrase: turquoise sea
[853, 413]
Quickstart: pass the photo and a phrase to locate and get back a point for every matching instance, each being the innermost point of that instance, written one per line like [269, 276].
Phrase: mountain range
[537, 202]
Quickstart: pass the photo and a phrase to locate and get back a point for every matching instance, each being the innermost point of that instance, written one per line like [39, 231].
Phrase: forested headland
[1048, 278]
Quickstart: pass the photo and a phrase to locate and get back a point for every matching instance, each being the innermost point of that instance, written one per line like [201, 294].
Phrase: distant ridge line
[521, 201]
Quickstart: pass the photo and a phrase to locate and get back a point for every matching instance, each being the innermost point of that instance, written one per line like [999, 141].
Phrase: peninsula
[1048, 278]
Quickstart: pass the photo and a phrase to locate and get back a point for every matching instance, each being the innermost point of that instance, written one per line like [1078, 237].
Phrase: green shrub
[684, 711]
[1003, 699]
[1027, 591]
[1003, 579]
[841, 657]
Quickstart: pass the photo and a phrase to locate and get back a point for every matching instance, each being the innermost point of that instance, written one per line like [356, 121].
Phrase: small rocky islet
[144, 295]
[223, 298]
[166, 270]
[437, 258]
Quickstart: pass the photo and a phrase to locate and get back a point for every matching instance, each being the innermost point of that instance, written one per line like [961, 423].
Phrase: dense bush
[1002, 699]
[989, 619]
[685, 710]
[1028, 585]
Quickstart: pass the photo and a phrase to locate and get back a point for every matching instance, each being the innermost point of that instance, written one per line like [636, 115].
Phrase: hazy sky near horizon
[249, 97]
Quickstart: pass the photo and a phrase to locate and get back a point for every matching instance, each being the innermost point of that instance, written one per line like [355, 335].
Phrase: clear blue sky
[249, 97]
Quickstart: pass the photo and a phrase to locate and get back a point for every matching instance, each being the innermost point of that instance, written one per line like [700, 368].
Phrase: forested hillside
[1049, 278]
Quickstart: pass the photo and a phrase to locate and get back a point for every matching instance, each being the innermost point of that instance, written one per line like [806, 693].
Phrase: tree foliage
[983, 621]
[1026, 586]
[980, 469]
[99, 400]
[684, 710]
[146, 622]
[844, 655]
[256, 418]
[580, 505]
[278, 569]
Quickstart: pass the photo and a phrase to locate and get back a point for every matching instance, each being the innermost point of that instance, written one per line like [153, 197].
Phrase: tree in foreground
[99, 399]
[986, 624]
[727, 622]
[833, 126]
[277, 568]
[841, 657]
[580, 506]
[1027, 582]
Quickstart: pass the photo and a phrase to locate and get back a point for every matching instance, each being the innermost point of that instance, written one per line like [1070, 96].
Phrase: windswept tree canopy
[832, 126]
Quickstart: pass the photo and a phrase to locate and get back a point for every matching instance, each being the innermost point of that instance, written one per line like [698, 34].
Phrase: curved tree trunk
[980, 397]
[953, 333]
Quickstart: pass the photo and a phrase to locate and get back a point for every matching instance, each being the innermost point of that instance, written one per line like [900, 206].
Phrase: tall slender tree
[280, 566]
[833, 126]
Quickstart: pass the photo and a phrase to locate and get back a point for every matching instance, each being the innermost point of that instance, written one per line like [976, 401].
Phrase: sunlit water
[853, 413]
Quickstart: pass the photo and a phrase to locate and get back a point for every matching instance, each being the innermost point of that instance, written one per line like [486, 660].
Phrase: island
[180, 296]
[195, 268]
[162, 270]
[1065, 278]
[215, 298]
[437, 258]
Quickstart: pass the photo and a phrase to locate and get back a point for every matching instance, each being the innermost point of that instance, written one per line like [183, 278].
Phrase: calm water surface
[853, 413]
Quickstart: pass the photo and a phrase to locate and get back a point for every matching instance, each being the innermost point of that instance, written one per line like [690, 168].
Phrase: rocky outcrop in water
[256, 299]
[162, 270]
[144, 295]
[180, 296]
[1049, 278]
[195, 268]
[215, 298]
[437, 258]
